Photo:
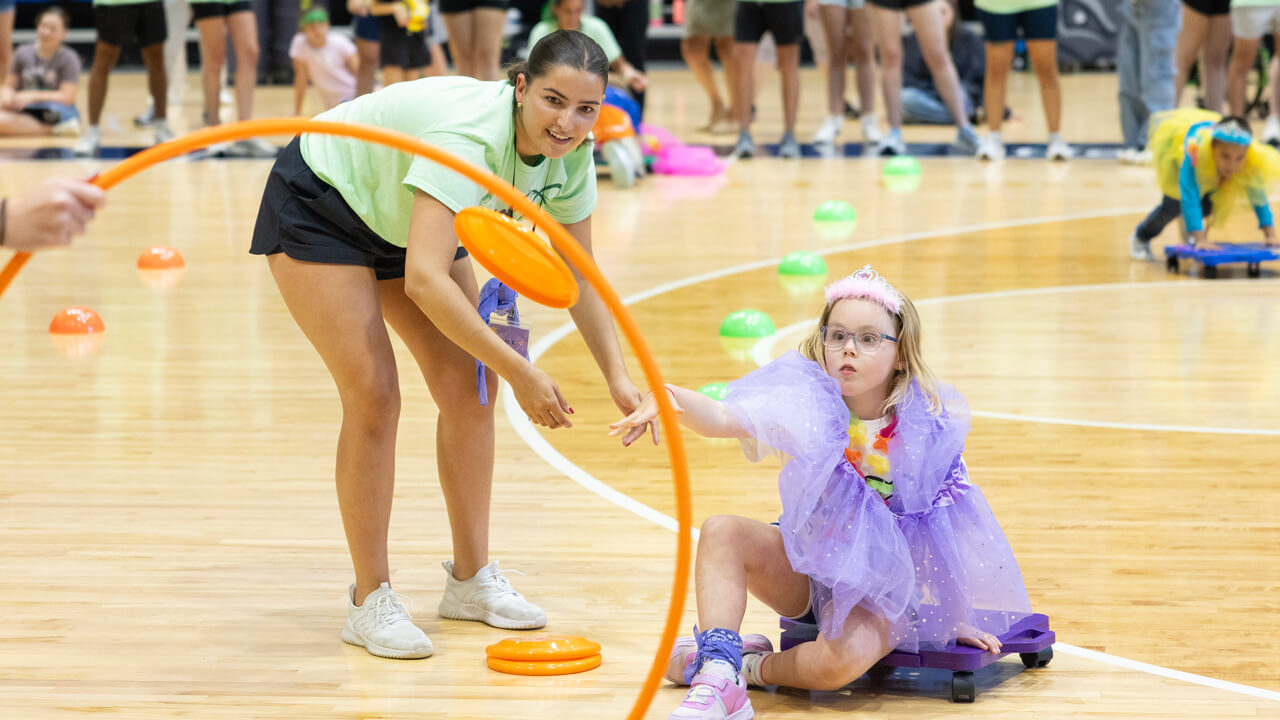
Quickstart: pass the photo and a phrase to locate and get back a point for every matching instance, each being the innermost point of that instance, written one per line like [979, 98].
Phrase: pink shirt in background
[327, 66]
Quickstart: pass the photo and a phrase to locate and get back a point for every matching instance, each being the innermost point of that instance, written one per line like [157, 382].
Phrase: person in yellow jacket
[1205, 164]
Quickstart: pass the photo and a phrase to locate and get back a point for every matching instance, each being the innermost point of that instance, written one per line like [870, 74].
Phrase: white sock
[1055, 137]
[751, 666]
[719, 668]
[994, 137]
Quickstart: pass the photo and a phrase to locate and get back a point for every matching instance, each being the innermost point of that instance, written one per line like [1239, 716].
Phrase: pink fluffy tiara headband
[866, 284]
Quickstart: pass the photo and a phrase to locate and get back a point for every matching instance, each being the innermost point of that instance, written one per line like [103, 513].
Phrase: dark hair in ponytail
[562, 47]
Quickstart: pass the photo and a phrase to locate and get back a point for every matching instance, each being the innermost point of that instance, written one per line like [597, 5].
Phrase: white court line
[526, 430]
[762, 353]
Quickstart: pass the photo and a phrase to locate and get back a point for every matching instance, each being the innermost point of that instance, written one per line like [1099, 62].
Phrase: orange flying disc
[543, 647]
[516, 256]
[544, 667]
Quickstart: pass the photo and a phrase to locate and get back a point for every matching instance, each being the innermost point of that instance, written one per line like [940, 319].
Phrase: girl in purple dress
[882, 536]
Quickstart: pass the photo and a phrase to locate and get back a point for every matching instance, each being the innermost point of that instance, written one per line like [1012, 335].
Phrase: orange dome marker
[543, 647]
[76, 321]
[161, 267]
[516, 256]
[160, 258]
[545, 667]
[77, 332]
[563, 242]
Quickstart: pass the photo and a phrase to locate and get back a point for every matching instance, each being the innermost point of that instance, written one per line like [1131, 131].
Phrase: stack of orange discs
[543, 655]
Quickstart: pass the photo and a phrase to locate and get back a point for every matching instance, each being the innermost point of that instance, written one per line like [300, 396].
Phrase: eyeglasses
[864, 341]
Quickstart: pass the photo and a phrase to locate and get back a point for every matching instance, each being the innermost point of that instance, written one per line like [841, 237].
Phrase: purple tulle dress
[931, 559]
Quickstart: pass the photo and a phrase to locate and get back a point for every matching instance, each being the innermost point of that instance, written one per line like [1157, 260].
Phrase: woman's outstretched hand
[632, 427]
[541, 400]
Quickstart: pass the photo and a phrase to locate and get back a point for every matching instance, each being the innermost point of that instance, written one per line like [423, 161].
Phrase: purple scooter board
[1251, 254]
[1030, 637]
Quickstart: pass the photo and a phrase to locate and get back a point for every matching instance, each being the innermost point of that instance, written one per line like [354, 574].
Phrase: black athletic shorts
[122, 25]
[202, 10]
[401, 48]
[449, 7]
[306, 218]
[784, 19]
[1209, 7]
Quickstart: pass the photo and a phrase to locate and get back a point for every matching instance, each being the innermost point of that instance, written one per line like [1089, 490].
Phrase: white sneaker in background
[1059, 149]
[1271, 131]
[252, 148]
[384, 627]
[67, 128]
[991, 148]
[163, 132]
[891, 144]
[829, 130]
[871, 129]
[488, 598]
[1140, 249]
[88, 143]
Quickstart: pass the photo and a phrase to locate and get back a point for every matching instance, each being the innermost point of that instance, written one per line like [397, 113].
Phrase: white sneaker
[871, 129]
[67, 128]
[1059, 150]
[891, 144]
[88, 143]
[829, 131]
[252, 148]
[163, 132]
[990, 149]
[490, 599]
[1134, 156]
[789, 147]
[383, 627]
[1140, 250]
[1271, 131]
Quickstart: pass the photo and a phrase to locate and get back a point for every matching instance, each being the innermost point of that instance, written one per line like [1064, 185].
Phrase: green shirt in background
[1253, 3]
[466, 117]
[592, 27]
[1009, 7]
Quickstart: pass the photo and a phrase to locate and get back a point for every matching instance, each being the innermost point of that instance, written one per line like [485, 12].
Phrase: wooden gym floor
[172, 543]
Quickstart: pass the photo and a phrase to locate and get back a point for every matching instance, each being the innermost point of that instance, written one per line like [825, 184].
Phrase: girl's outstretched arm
[699, 413]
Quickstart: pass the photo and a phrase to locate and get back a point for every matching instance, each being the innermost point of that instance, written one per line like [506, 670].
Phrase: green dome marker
[899, 165]
[747, 324]
[835, 211]
[802, 262]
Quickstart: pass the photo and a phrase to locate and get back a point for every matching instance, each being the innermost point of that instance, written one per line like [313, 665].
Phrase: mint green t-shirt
[1009, 7]
[592, 27]
[466, 117]
[1253, 3]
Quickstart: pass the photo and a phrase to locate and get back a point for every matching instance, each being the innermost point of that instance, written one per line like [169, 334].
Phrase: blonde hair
[910, 365]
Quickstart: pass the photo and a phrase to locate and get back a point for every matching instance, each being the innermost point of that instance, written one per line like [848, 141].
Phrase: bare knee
[830, 672]
[695, 47]
[247, 55]
[722, 530]
[105, 57]
[372, 399]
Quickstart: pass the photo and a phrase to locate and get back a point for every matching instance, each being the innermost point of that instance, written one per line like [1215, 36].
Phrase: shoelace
[701, 694]
[390, 610]
[497, 580]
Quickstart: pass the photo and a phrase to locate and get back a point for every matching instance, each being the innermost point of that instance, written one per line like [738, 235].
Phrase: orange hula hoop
[561, 240]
